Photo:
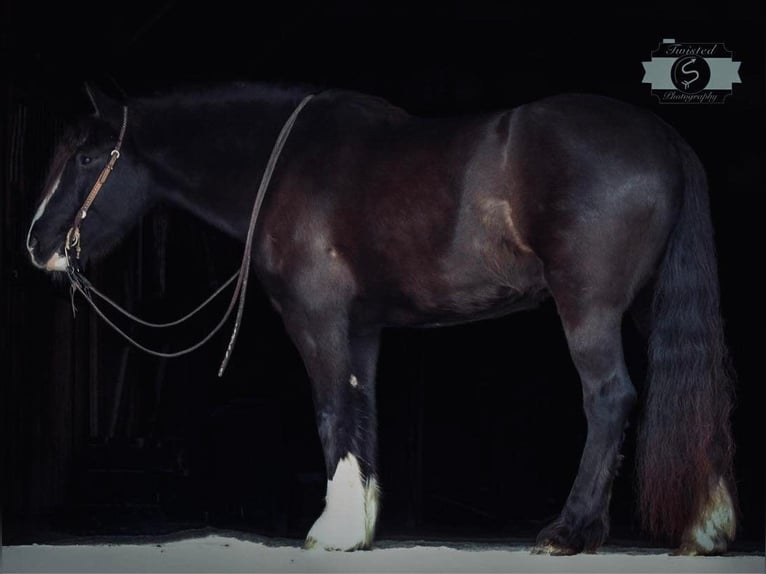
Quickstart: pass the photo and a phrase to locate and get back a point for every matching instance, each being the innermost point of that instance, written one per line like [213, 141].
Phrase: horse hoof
[312, 543]
[562, 539]
[351, 507]
[549, 548]
[330, 533]
[696, 549]
[715, 527]
[557, 540]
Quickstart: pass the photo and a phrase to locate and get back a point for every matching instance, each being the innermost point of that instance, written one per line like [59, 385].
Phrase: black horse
[375, 218]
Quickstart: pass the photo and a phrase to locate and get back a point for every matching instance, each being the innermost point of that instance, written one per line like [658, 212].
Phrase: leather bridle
[73, 235]
[79, 283]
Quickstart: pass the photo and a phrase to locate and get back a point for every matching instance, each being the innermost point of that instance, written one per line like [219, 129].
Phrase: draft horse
[374, 218]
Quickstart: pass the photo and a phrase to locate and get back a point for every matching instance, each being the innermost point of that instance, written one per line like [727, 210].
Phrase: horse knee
[614, 396]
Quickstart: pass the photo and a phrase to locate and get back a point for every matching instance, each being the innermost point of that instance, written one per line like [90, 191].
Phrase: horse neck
[207, 155]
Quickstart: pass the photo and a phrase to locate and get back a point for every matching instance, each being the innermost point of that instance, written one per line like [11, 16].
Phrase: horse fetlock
[351, 509]
[715, 525]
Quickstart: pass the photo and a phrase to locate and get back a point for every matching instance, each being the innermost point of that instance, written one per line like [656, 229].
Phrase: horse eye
[85, 160]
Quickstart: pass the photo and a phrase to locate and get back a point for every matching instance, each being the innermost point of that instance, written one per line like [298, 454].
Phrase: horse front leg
[341, 364]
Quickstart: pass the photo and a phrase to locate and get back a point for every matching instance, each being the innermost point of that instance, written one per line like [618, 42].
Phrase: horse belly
[486, 271]
[448, 301]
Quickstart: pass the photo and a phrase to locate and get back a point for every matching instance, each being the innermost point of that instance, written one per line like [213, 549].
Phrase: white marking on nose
[38, 215]
[354, 381]
[56, 263]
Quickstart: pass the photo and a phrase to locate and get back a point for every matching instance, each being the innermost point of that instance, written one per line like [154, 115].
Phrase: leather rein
[79, 283]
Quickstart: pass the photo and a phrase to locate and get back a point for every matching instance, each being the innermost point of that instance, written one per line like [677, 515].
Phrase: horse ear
[103, 106]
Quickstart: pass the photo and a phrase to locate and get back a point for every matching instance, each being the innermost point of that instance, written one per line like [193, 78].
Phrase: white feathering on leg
[715, 526]
[351, 507]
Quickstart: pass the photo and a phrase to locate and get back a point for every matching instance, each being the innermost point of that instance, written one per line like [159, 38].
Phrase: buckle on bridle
[72, 242]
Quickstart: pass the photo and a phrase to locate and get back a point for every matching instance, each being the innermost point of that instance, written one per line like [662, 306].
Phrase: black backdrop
[481, 426]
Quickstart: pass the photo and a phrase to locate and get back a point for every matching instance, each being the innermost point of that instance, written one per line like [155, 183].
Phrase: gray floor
[223, 553]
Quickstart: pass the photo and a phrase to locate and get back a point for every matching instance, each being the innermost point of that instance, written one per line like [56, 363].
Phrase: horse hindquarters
[605, 246]
[684, 457]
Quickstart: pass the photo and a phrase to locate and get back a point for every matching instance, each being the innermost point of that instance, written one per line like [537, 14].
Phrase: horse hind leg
[595, 344]
[341, 366]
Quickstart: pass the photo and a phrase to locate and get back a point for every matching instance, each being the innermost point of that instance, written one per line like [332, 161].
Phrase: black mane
[223, 93]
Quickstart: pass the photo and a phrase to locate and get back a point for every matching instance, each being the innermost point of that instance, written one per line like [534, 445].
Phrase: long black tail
[684, 439]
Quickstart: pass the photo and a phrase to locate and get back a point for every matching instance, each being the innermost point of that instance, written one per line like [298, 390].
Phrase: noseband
[80, 283]
[73, 236]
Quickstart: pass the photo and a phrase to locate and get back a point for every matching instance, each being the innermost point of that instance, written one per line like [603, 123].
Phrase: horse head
[98, 149]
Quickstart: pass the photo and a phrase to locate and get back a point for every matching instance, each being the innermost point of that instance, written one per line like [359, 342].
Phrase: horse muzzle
[56, 263]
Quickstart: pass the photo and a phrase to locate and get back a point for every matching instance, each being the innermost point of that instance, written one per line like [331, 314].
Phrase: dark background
[481, 426]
